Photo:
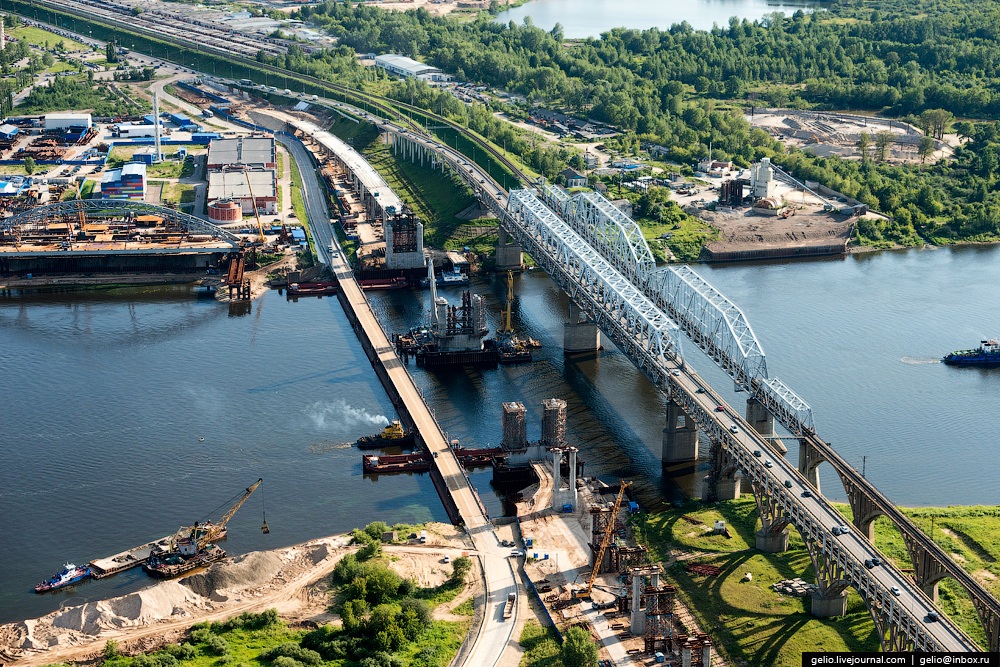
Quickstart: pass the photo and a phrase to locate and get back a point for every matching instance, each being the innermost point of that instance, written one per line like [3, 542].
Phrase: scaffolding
[515, 428]
[404, 232]
[600, 517]
[554, 422]
[659, 618]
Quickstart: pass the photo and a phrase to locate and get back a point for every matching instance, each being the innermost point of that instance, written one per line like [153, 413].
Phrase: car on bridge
[720, 408]
[733, 428]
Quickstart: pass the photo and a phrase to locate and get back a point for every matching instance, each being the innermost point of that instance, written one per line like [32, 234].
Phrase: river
[109, 393]
[589, 18]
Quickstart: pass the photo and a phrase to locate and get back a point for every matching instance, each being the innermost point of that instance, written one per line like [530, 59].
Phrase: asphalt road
[495, 634]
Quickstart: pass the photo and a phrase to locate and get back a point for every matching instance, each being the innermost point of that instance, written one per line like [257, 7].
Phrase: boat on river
[394, 435]
[70, 575]
[987, 354]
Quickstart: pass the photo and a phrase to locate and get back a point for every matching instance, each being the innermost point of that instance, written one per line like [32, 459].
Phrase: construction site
[581, 557]
[769, 214]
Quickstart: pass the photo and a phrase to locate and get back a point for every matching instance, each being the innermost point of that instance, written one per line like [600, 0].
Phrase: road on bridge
[495, 634]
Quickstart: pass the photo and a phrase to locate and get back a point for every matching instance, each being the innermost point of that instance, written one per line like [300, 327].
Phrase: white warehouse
[403, 66]
[63, 121]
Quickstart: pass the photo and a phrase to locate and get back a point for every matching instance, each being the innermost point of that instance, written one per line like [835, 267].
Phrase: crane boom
[608, 531]
[260, 227]
[216, 529]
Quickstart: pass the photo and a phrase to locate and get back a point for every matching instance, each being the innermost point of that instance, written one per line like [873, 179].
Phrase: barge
[987, 354]
[312, 289]
[470, 458]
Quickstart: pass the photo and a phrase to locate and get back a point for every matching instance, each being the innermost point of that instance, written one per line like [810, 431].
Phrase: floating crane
[191, 539]
[191, 547]
[608, 532]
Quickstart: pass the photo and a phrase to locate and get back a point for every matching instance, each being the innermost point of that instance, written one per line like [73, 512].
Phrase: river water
[589, 18]
[109, 393]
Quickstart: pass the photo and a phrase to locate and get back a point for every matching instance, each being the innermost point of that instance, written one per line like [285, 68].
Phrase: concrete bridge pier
[828, 605]
[509, 256]
[729, 488]
[580, 334]
[809, 461]
[557, 456]
[763, 422]
[771, 541]
[680, 436]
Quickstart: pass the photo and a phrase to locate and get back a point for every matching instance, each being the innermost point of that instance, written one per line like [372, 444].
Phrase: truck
[423, 537]
[508, 608]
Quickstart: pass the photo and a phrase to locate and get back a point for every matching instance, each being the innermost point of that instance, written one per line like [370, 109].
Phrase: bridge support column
[638, 618]
[557, 455]
[509, 255]
[763, 422]
[809, 462]
[729, 488]
[580, 334]
[829, 605]
[571, 496]
[771, 542]
[680, 437]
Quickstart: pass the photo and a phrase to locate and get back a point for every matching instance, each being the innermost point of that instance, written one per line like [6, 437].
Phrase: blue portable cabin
[633, 507]
[204, 137]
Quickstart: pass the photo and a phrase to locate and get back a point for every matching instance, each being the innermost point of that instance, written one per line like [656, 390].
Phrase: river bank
[294, 580]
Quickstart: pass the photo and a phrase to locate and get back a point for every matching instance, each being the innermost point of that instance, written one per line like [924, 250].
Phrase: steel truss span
[119, 207]
[607, 228]
[718, 327]
[647, 336]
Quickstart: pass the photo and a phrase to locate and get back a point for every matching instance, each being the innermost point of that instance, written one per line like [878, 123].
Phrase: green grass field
[39, 37]
[541, 645]
[758, 626]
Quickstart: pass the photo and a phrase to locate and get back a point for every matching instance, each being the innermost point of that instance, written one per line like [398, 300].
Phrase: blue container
[633, 507]
[567, 509]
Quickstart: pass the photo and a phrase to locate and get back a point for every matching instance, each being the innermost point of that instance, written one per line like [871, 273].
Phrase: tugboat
[987, 354]
[70, 575]
[453, 278]
[392, 435]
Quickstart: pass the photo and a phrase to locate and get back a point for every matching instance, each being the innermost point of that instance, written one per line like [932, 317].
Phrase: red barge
[421, 462]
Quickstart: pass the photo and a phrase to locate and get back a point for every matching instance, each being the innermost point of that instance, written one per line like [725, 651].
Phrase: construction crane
[507, 328]
[260, 227]
[608, 532]
[83, 215]
[199, 537]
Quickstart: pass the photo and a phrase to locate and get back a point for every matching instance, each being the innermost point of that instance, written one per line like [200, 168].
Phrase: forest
[684, 89]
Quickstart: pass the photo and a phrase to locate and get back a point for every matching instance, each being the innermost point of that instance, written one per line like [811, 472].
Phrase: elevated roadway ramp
[496, 632]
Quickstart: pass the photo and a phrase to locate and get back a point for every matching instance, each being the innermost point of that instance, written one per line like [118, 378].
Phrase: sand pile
[161, 601]
[249, 570]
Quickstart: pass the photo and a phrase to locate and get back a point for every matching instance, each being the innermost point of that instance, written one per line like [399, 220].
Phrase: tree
[109, 53]
[864, 142]
[136, 10]
[29, 165]
[579, 649]
[460, 568]
[925, 148]
[48, 60]
[883, 140]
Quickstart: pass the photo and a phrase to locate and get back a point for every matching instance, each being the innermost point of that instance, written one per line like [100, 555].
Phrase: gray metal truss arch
[720, 328]
[646, 336]
[602, 224]
[119, 207]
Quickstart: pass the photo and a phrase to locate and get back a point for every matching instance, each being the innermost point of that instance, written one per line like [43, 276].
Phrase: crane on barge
[193, 546]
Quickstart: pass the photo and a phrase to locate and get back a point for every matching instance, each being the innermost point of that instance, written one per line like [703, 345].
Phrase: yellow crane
[260, 227]
[198, 537]
[83, 215]
[608, 532]
[507, 328]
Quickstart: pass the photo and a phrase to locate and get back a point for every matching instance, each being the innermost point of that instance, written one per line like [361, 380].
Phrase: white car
[733, 428]
[447, 559]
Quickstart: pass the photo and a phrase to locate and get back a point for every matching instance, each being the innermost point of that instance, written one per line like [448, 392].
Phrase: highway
[910, 596]
[497, 564]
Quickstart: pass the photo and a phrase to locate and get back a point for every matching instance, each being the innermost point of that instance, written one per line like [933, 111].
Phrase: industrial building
[11, 186]
[8, 131]
[232, 186]
[145, 155]
[129, 182]
[408, 67]
[64, 121]
[255, 152]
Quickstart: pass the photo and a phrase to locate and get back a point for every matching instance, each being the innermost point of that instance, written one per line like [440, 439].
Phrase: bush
[375, 530]
[248, 620]
[110, 649]
[420, 608]
[202, 634]
[181, 651]
[460, 569]
[217, 645]
[408, 588]
[291, 650]
[578, 649]
[284, 661]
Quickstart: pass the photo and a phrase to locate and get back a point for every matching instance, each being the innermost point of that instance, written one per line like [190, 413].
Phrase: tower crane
[608, 532]
[260, 227]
